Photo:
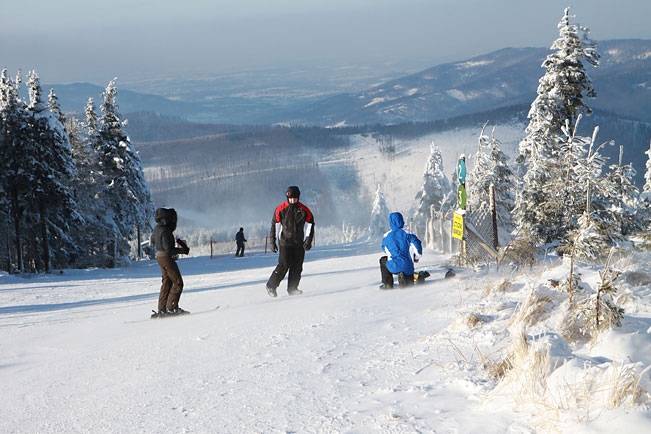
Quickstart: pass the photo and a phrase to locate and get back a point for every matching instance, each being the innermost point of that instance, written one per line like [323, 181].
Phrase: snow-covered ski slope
[79, 354]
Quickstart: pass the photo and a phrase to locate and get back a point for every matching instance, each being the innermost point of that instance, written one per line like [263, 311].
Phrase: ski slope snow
[79, 354]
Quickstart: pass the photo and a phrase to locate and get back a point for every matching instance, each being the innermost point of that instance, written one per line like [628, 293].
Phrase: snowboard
[185, 313]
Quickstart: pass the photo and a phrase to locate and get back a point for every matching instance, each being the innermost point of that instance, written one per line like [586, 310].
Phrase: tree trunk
[139, 241]
[493, 215]
[44, 238]
[16, 214]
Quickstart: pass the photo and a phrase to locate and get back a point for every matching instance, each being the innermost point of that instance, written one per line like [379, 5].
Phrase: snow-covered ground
[78, 352]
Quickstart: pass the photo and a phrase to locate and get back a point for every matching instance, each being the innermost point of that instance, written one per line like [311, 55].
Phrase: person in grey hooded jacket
[166, 251]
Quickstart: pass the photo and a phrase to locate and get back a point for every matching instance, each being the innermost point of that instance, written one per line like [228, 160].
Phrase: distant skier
[293, 226]
[166, 251]
[240, 240]
[402, 249]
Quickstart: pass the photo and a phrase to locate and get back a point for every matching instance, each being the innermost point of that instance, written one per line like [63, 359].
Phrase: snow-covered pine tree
[491, 167]
[587, 226]
[127, 194]
[15, 163]
[624, 203]
[55, 107]
[88, 184]
[379, 221]
[435, 191]
[51, 199]
[645, 203]
[646, 190]
[560, 98]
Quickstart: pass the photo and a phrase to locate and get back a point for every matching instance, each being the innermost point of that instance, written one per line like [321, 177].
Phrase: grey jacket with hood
[162, 236]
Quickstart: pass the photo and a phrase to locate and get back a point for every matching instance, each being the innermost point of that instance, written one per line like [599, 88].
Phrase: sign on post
[457, 226]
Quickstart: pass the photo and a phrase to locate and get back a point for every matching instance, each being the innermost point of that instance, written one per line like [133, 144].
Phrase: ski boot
[159, 314]
[405, 280]
[271, 291]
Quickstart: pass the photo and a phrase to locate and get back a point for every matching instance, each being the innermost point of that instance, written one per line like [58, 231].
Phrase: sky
[94, 41]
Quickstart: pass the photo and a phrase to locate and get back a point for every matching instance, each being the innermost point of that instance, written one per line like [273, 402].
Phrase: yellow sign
[457, 226]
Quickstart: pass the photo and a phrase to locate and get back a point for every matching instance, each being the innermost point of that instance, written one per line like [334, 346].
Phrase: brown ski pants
[172, 286]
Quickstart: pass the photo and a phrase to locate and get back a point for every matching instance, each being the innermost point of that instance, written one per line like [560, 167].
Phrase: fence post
[211, 251]
[491, 190]
[266, 240]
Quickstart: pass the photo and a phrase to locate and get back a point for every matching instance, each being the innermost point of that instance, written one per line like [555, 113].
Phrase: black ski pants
[240, 250]
[387, 276]
[172, 285]
[289, 258]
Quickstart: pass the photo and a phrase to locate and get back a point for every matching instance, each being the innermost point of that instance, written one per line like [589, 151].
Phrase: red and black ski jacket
[292, 225]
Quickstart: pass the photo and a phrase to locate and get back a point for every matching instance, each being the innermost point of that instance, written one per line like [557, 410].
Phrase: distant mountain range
[504, 78]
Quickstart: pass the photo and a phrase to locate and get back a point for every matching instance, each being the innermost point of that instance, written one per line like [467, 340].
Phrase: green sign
[461, 171]
[461, 197]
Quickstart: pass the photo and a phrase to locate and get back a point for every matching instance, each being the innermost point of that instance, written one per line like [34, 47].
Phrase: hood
[396, 221]
[166, 217]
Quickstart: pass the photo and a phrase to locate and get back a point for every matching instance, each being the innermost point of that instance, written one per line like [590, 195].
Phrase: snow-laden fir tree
[126, 192]
[379, 221]
[587, 224]
[51, 199]
[561, 91]
[55, 107]
[16, 163]
[88, 184]
[491, 168]
[434, 192]
[645, 196]
[645, 203]
[624, 203]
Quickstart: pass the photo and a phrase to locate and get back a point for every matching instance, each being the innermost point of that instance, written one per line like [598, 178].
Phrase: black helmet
[293, 191]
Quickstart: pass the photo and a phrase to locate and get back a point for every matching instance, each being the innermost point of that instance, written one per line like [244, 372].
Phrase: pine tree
[624, 201]
[55, 107]
[88, 184]
[50, 196]
[126, 192]
[645, 203]
[435, 191]
[646, 190]
[560, 100]
[491, 168]
[15, 163]
[379, 221]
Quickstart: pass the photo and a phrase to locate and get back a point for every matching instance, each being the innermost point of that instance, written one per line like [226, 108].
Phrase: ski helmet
[293, 191]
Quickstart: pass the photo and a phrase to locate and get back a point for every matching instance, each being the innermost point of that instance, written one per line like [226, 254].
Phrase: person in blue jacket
[403, 249]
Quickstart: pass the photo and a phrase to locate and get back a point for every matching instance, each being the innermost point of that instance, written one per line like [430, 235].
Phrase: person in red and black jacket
[292, 229]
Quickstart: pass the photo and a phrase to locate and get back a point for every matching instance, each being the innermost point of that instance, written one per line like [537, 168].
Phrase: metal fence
[482, 220]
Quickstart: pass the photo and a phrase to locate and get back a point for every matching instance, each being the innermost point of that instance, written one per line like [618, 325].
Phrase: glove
[184, 247]
[274, 247]
[307, 245]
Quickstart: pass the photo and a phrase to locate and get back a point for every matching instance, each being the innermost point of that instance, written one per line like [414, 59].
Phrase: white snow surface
[78, 352]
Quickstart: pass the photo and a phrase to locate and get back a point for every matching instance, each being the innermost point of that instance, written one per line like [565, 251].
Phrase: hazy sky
[91, 40]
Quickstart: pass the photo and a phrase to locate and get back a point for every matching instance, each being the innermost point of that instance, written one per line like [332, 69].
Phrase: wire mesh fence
[482, 220]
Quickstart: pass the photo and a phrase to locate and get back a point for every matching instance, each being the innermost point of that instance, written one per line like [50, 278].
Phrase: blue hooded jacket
[401, 246]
